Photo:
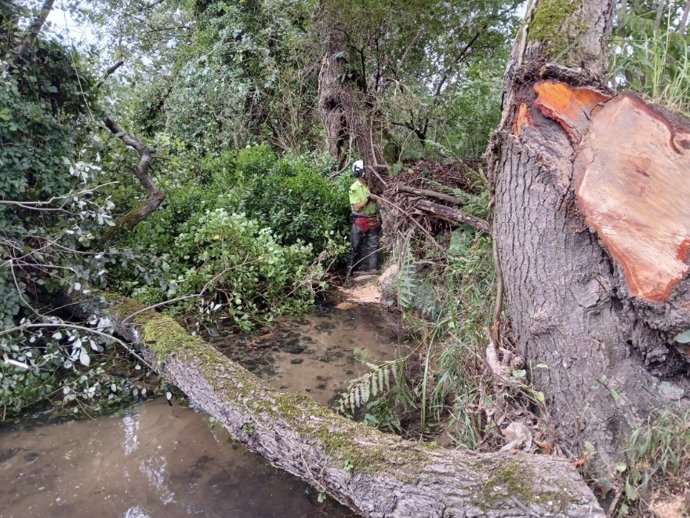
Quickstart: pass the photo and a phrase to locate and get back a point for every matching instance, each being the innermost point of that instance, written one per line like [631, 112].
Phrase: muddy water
[162, 461]
[317, 354]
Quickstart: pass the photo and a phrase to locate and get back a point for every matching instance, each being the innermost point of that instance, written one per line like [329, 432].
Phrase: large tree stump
[373, 473]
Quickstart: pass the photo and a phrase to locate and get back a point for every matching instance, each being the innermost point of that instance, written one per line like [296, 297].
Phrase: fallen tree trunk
[373, 473]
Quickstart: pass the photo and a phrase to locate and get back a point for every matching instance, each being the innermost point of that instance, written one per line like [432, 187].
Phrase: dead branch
[155, 195]
[430, 194]
[453, 215]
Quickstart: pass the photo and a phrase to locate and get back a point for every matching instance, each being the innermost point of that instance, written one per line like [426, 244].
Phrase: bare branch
[430, 194]
[155, 195]
[110, 71]
[453, 215]
[659, 14]
[684, 19]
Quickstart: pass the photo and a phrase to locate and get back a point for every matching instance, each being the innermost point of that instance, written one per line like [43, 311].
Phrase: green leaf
[683, 338]
[519, 373]
[539, 396]
[614, 394]
[590, 448]
[621, 467]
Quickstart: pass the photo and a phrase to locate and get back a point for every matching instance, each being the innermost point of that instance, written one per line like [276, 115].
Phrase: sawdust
[671, 506]
[366, 293]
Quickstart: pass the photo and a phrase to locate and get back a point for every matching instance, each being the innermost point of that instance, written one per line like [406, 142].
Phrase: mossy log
[373, 473]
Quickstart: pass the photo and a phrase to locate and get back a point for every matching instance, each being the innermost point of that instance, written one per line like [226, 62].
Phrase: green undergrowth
[249, 236]
[441, 389]
[654, 63]
[657, 462]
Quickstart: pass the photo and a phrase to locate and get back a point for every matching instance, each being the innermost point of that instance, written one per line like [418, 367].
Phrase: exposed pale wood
[571, 107]
[373, 473]
[522, 118]
[632, 178]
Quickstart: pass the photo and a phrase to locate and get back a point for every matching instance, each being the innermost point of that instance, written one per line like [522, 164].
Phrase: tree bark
[683, 25]
[346, 113]
[659, 14]
[33, 31]
[373, 473]
[606, 334]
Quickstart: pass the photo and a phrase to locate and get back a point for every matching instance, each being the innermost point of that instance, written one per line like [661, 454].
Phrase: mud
[318, 353]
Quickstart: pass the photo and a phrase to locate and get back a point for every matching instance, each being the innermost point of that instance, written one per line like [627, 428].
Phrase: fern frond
[370, 385]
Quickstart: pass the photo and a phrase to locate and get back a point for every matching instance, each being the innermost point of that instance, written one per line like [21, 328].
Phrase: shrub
[243, 265]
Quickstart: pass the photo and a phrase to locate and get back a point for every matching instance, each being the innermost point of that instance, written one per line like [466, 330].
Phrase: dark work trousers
[365, 249]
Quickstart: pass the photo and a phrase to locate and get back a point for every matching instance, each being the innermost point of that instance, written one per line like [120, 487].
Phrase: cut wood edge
[632, 188]
[570, 106]
[630, 180]
[373, 473]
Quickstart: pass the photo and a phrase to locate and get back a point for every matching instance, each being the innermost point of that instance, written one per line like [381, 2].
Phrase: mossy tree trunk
[591, 232]
[373, 473]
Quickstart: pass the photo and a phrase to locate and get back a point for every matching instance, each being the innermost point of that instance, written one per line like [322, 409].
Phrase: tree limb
[430, 194]
[109, 71]
[453, 215]
[155, 195]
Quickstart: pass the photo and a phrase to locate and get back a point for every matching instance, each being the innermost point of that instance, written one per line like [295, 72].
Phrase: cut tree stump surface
[632, 182]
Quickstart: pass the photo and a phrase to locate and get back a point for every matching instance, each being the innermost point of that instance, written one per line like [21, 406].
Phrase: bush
[243, 265]
[292, 198]
[259, 223]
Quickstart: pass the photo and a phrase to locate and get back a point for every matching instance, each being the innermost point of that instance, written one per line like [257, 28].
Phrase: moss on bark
[547, 25]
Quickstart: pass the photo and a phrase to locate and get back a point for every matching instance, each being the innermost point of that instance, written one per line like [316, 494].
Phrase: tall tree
[392, 68]
[596, 284]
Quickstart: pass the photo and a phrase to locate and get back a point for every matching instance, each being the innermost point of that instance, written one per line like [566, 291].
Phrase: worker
[366, 225]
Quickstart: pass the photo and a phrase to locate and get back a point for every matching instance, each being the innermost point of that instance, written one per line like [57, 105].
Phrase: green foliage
[373, 383]
[290, 196]
[383, 393]
[652, 62]
[657, 453]
[268, 223]
[257, 277]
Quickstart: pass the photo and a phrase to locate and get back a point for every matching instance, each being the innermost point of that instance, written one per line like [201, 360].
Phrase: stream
[157, 460]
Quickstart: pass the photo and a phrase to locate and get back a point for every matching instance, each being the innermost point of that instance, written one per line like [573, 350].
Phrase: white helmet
[358, 168]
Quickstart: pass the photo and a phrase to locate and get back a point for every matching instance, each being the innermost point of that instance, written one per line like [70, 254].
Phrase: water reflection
[158, 461]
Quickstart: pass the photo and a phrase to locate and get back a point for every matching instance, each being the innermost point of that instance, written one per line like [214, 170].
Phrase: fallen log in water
[373, 473]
